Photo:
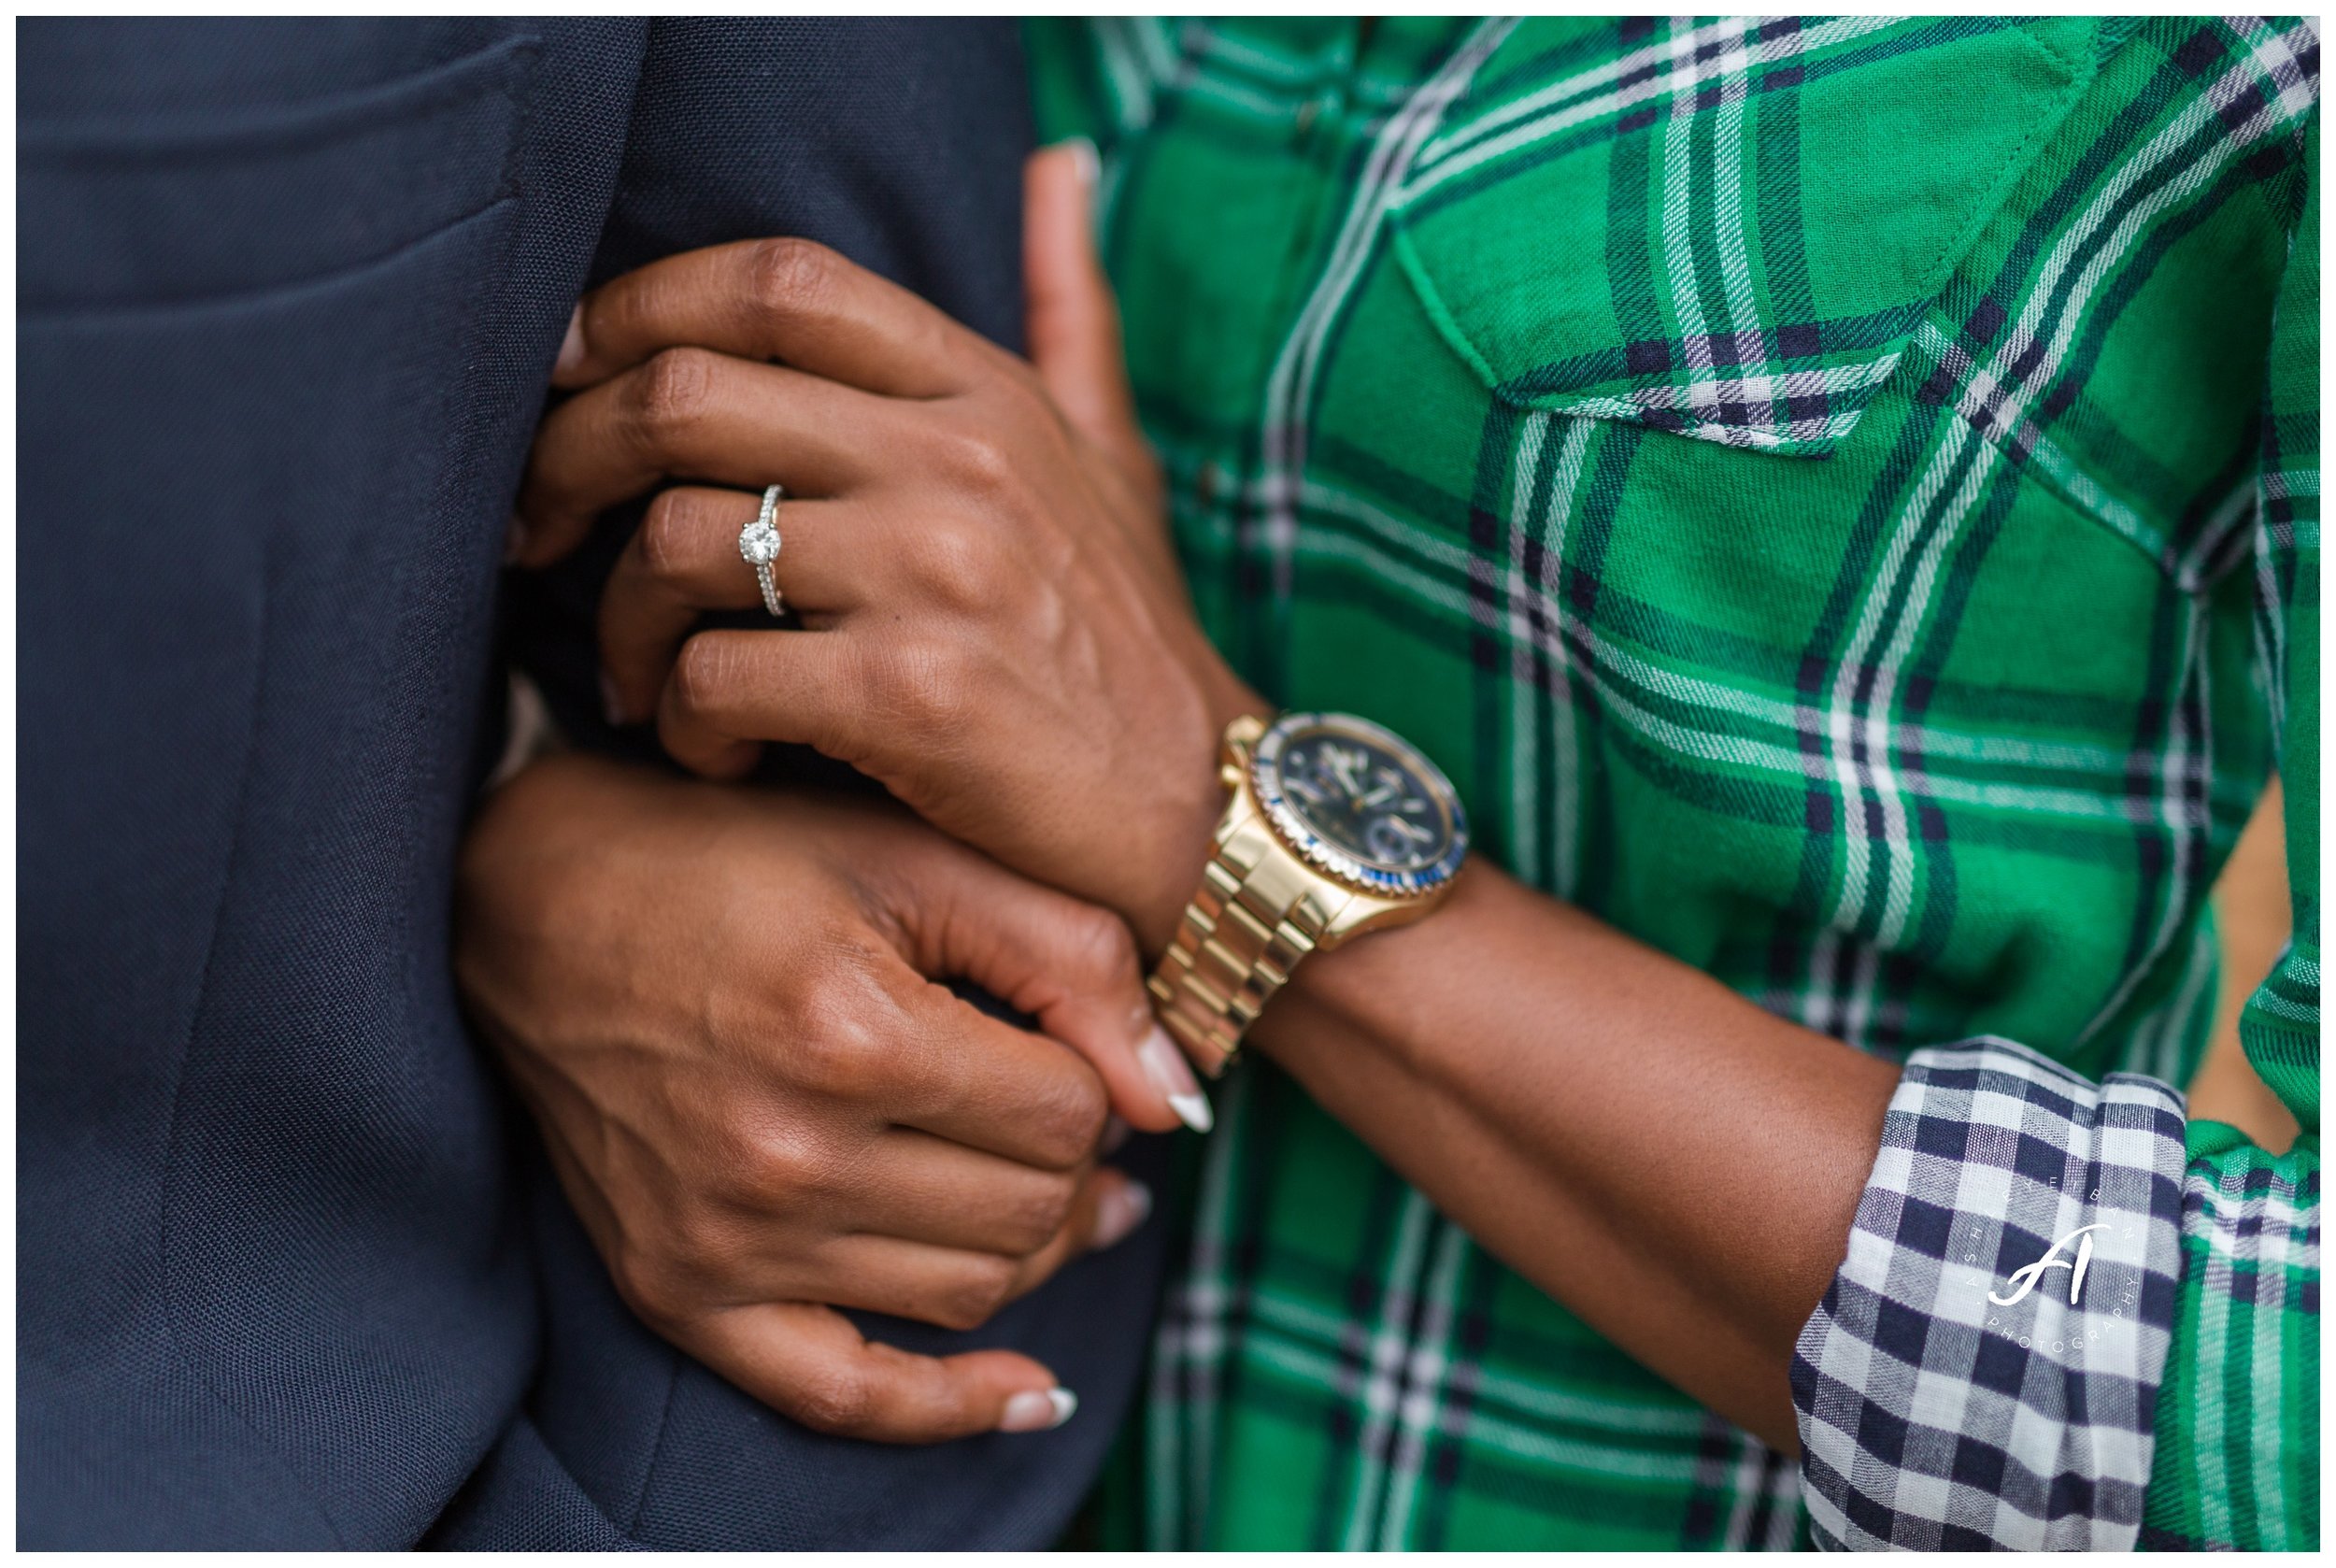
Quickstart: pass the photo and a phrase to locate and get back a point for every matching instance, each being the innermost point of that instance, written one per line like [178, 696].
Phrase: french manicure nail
[1118, 1212]
[572, 346]
[610, 704]
[1164, 1066]
[1090, 162]
[1033, 1411]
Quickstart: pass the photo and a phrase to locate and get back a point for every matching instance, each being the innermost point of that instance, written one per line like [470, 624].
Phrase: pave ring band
[758, 541]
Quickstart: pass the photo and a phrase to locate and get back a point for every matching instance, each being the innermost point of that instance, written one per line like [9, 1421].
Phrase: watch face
[1360, 803]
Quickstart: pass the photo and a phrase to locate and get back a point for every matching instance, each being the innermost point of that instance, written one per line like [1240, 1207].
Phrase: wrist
[1188, 843]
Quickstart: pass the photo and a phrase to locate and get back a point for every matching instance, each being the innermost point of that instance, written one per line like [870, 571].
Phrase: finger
[1073, 319]
[809, 1362]
[691, 413]
[731, 690]
[979, 1081]
[956, 1288]
[1066, 963]
[1112, 1205]
[920, 1188]
[684, 561]
[781, 299]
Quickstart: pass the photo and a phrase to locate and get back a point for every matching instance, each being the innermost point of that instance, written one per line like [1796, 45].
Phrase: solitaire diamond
[759, 543]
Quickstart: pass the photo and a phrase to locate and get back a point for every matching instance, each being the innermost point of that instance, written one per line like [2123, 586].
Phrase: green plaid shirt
[1840, 500]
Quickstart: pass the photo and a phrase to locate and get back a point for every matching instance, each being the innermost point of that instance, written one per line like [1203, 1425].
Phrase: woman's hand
[717, 1003]
[998, 630]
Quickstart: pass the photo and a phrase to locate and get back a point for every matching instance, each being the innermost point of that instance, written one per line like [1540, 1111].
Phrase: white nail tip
[1038, 1412]
[1192, 1109]
[1122, 1213]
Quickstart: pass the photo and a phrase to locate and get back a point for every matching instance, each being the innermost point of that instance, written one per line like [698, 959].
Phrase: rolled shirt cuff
[1983, 1372]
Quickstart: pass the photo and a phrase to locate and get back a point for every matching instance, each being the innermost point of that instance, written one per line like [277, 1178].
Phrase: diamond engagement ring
[758, 541]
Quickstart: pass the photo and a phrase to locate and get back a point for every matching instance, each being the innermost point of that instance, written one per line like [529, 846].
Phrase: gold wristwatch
[1336, 827]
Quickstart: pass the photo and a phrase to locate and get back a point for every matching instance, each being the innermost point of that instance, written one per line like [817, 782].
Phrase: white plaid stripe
[1429, 1372]
[1932, 1415]
[1575, 101]
[1188, 1348]
[1532, 598]
[1379, 1391]
[1739, 409]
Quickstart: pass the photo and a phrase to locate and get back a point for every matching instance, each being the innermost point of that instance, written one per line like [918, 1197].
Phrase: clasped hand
[721, 1005]
[993, 623]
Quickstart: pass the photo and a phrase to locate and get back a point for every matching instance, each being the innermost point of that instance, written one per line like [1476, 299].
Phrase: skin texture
[1675, 1164]
[722, 1007]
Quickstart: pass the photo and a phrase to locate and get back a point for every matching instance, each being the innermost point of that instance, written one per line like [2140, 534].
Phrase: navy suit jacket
[291, 1273]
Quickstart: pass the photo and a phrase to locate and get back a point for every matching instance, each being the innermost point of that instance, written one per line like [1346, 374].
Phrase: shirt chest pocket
[1728, 231]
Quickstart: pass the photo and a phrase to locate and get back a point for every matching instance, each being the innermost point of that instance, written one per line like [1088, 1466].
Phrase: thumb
[1073, 321]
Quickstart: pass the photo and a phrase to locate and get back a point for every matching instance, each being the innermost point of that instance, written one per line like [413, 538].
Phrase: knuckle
[672, 391]
[840, 1057]
[1068, 1115]
[789, 277]
[778, 1167]
[668, 535]
[1039, 1214]
[974, 460]
[960, 565]
[923, 686]
[839, 1398]
[974, 1298]
[1097, 944]
[703, 669]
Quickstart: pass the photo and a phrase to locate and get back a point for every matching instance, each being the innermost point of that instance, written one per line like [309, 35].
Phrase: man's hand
[717, 1003]
[999, 632]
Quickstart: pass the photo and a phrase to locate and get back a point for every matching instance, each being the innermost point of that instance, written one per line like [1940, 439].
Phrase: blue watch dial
[1360, 803]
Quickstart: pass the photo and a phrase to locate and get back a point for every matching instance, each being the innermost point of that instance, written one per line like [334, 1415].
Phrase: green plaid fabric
[1798, 480]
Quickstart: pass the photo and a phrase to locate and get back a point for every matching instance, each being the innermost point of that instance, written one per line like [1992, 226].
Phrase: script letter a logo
[2026, 1279]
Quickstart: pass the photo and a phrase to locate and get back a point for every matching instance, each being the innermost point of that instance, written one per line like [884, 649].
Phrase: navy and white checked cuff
[1984, 1370]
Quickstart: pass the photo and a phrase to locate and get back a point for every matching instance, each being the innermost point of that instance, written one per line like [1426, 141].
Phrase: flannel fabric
[1954, 1390]
[2239, 1465]
[1810, 486]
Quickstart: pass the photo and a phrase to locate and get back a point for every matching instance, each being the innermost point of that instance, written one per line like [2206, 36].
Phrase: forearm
[1675, 1164]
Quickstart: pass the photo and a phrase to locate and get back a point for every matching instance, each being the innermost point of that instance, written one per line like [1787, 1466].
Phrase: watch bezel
[1291, 827]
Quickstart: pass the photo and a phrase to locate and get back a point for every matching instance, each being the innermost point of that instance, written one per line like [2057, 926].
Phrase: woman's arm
[1673, 1163]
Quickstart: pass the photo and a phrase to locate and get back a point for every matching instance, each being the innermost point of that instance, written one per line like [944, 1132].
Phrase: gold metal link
[1253, 917]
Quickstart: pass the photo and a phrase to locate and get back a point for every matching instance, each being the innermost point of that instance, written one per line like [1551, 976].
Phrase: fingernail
[1039, 1412]
[1118, 1212]
[515, 539]
[610, 704]
[1164, 1066]
[1116, 1133]
[572, 346]
[1090, 162]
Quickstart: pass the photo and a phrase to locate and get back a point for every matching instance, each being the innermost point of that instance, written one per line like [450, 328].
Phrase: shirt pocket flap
[1729, 232]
